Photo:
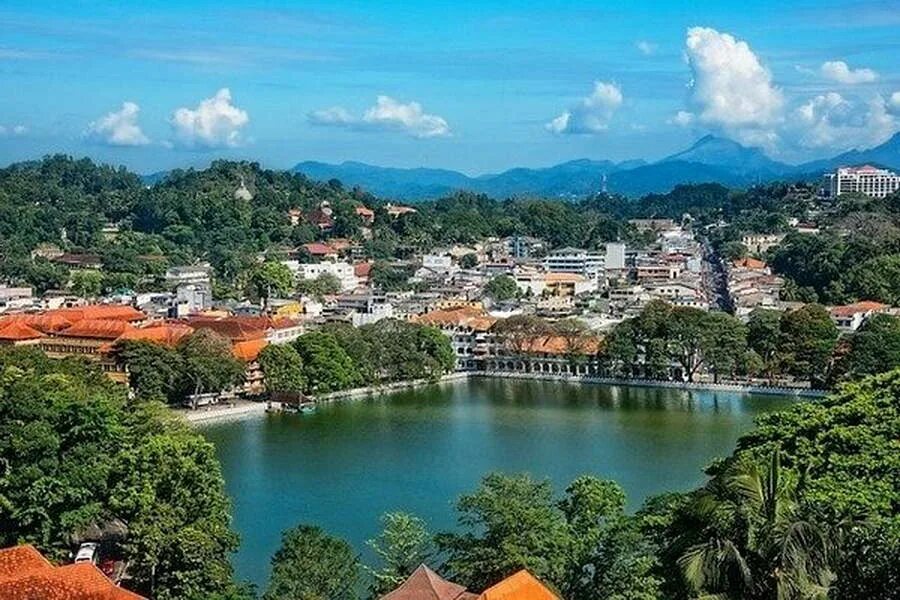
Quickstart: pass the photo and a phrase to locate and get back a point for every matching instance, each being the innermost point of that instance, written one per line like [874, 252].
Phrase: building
[615, 256]
[26, 575]
[425, 584]
[344, 272]
[195, 274]
[469, 332]
[850, 317]
[519, 586]
[865, 179]
[575, 260]
[557, 284]
[15, 298]
[760, 243]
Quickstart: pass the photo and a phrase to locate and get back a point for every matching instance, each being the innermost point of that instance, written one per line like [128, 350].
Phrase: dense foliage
[340, 356]
[79, 457]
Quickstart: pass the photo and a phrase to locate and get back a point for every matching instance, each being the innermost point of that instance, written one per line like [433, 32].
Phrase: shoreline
[247, 408]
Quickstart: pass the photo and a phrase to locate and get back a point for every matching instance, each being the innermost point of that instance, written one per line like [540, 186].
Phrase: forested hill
[233, 212]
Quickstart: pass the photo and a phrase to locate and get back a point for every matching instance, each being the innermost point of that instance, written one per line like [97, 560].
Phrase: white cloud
[215, 123]
[838, 71]
[646, 48]
[119, 128]
[894, 102]
[682, 118]
[837, 123]
[731, 89]
[592, 114]
[13, 130]
[387, 114]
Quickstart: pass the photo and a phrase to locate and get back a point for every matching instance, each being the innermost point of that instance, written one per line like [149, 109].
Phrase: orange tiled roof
[362, 269]
[466, 316]
[425, 584]
[18, 331]
[750, 263]
[319, 249]
[26, 575]
[248, 350]
[119, 312]
[521, 586]
[236, 329]
[166, 334]
[365, 212]
[864, 306]
[43, 322]
[556, 344]
[104, 329]
[563, 277]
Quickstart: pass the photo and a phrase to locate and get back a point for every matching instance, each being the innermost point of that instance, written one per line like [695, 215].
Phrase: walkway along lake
[417, 450]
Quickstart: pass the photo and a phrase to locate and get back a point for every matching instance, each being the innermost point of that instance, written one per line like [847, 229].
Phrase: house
[79, 261]
[344, 272]
[850, 317]
[367, 215]
[15, 298]
[26, 575]
[520, 586]
[396, 210]
[321, 251]
[760, 243]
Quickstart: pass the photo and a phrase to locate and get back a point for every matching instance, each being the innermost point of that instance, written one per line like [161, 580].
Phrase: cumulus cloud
[119, 127]
[387, 114]
[592, 114]
[832, 121]
[682, 118]
[214, 123]
[731, 89]
[837, 70]
[12, 130]
[894, 101]
[646, 48]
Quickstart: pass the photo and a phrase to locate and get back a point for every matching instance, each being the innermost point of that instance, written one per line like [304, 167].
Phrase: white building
[13, 298]
[866, 179]
[760, 243]
[344, 272]
[437, 262]
[196, 274]
[615, 256]
[575, 260]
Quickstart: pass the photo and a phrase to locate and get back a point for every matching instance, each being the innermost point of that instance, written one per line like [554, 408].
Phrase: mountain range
[709, 159]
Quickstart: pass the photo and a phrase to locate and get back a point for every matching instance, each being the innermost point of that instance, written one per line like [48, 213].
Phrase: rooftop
[521, 586]
[425, 584]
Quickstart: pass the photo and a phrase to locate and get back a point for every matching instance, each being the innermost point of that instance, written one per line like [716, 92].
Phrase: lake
[344, 465]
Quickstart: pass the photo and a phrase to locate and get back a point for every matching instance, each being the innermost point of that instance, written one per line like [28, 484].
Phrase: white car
[87, 552]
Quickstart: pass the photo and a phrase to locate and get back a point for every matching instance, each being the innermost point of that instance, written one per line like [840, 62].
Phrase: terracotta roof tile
[166, 334]
[43, 322]
[119, 312]
[249, 350]
[864, 306]
[425, 584]
[104, 329]
[466, 316]
[521, 586]
[18, 331]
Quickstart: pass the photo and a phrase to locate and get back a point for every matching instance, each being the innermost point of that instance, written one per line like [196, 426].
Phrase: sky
[477, 86]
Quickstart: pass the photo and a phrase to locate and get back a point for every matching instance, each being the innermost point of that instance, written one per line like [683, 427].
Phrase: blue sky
[474, 86]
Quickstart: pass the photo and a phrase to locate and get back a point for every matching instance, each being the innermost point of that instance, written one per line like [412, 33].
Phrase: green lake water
[346, 464]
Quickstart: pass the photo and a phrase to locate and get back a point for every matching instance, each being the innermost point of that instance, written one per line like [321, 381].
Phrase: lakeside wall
[247, 408]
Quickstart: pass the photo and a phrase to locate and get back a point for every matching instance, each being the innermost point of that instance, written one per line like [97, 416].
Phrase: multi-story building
[760, 243]
[344, 272]
[575, 260]
[866, 179]
[615, 256]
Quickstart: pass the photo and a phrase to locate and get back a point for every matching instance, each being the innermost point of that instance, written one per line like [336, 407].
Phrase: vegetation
[311, 565]
[78, 455]
[340, 356]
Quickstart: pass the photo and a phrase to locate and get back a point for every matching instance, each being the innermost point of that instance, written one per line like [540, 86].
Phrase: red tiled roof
[465, 316]
[863, 306]
[362, 269]
[26, 575]
[365, 212]
[18, 331]
[750, 263]
[425, 584]
[105, 329]
[319, 249]
[43, 322]
[236, 329]
[555, 344]
[521, 586]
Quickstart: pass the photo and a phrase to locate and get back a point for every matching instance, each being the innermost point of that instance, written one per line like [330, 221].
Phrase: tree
[575, 335]
[468, 261]
[282, 367]
[724, 343]
[686, 332]
[325, 284]
[519, 332]
[79, 455]
[807, 339]
[501, 288]
[877, 278]
[752, 541]
[326, 367]
[734, 250]
[509, 523]
[154, 370]
[438, 355]
[764, 335]
[403, 545]
[209, 364]
[874, 348]
[270, 279]
[86, 283]
[311, 565]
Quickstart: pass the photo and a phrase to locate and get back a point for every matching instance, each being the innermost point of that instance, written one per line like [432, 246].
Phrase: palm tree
[755, 544]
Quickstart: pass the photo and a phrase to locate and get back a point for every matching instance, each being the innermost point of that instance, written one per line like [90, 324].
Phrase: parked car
[87, 552]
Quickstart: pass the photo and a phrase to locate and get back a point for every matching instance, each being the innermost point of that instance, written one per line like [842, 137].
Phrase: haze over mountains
[710, 159]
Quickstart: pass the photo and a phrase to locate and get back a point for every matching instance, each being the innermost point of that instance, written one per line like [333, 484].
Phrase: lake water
[346, 464]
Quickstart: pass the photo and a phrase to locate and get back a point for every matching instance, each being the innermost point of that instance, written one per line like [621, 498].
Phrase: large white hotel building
[866, 179]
